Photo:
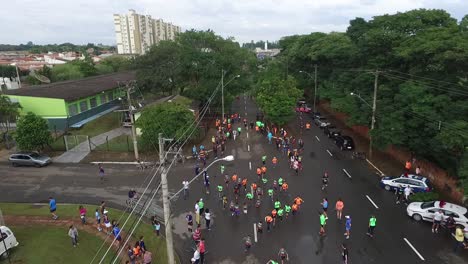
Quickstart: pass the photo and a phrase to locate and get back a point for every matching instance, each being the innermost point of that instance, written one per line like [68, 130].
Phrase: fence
[78, 143]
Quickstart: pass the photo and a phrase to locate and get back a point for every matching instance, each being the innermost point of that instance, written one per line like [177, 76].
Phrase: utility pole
[222, 95]
[315, 89]
[17, 76]
[374, 107]
[166, 205]
[132, 119]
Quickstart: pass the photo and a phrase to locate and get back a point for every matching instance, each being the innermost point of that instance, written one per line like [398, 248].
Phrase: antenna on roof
[39, 77]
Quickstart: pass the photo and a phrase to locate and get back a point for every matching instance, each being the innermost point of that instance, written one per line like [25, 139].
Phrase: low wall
[439, 178]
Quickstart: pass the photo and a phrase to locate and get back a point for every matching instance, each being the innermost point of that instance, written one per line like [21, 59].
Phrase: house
[72, 103]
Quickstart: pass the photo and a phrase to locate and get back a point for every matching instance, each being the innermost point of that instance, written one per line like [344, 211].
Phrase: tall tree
[32, 133]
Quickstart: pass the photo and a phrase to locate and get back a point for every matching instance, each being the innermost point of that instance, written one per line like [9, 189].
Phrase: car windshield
[427, 205]
[34, 155]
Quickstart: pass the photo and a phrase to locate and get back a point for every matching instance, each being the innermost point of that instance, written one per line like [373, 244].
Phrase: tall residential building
[136, 33]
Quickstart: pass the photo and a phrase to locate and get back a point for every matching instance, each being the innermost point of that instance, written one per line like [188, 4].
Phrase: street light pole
[374, 108]
[132, 119]
[222, 95]
[165, 200]
[315, 89]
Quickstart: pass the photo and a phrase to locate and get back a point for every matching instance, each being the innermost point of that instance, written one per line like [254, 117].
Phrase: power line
[430, 79]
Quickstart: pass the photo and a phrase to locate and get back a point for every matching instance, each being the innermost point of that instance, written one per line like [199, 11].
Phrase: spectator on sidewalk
[147, 257]
[82, 210]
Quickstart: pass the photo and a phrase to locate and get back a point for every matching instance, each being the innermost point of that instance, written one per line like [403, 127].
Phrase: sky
[91, 21]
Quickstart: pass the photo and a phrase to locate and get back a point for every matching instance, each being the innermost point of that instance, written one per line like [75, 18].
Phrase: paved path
[78, 153]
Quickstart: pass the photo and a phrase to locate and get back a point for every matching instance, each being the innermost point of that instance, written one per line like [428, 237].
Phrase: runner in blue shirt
[53, 208]
[325, 206]
[348, 226]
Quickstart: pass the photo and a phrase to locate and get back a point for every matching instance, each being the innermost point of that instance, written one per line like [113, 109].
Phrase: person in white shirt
[185, 183]
[407, 192]
[438, 217]
[207, 218]
[196, 257]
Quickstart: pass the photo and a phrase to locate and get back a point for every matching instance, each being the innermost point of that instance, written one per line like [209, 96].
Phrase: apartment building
[136, 33]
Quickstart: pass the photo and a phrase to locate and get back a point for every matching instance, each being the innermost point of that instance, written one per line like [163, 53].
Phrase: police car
[426, 210]
[416, 183]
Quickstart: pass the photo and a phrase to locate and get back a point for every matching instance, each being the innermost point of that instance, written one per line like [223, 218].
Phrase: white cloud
[82, 21]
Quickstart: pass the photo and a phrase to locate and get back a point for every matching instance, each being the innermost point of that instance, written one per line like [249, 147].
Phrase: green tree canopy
[170, 118]
[32, 133]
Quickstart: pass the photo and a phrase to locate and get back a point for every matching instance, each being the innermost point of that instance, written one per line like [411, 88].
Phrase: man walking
[185, 183]
[53, 208]
[101, 172]
[438, 217]
[372, 223]
[347, 226]
[344, 253]
[73, 234]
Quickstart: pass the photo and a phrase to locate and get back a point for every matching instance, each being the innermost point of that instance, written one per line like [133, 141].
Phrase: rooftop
[75, 89]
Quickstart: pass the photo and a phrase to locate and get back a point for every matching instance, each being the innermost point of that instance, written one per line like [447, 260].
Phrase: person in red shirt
[201, 249]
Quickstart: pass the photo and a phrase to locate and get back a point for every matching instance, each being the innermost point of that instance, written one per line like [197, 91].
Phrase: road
[298, 235]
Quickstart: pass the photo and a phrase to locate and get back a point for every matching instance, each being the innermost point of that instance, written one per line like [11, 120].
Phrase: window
[427, 205]
[103, 98]
[93, 102]
[405, 181]
[3, 236]
[72, 109]
[449, 213]
[83, 106]
[110, 96]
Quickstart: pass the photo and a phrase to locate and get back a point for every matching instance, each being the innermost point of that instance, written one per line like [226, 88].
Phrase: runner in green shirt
[277, 204]
[222, 168]
[264, 157]
[264, 180]
[220, 190]
[249, 196]
[323, 222]
[372, 223]
[270, 193]
[272, 262]
[287, 209]
[239, 129]
[280, 214]
[280, 181]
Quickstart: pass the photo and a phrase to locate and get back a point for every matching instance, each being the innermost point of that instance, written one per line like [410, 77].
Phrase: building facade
[136, 33]
[72, 103]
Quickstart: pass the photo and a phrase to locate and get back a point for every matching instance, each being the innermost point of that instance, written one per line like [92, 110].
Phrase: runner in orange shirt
[234, 178]
[274, 161]
[339, 208]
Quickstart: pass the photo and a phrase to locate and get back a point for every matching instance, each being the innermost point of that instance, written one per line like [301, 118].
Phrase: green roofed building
[72, 103]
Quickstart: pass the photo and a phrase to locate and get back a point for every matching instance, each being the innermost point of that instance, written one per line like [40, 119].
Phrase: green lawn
[155, 244]
[122, 143]
[39, 244]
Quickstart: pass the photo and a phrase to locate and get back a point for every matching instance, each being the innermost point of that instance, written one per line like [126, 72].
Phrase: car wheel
[14, 164]
[387, 187]
[37, 165]
[417, 217]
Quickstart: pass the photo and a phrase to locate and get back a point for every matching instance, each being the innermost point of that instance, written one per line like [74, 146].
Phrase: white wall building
[136, 33]
[9, 83]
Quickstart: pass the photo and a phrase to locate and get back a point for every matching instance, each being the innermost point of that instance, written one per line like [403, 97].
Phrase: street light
[362, 99]
[227, 158]
[223, 72]
[315, 84]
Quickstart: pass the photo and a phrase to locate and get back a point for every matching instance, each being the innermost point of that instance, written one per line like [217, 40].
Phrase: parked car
[321, 122]
[7, 239]
[417, 183]
[425, 211]
[331, 131]
[344, 142]
[29, 159]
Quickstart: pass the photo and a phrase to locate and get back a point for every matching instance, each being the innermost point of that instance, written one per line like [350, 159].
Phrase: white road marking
[372, 202]
[347, 173]
[330, 153]
[247, 134]
[375, 167]
[250, 165]
[255, 232]
[414, 249]
[248, 148]
[317, 138]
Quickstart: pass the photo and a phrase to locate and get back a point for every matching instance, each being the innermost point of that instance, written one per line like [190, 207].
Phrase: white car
[425, 211]
[7, 240]
[417, 183]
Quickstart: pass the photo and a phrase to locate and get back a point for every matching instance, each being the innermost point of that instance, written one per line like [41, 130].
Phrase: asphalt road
[298, 235]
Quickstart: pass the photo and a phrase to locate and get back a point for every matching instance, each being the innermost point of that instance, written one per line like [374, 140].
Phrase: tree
[32, 133]
[67, 71]
[116, 63]
[170, 118]
[9, 112]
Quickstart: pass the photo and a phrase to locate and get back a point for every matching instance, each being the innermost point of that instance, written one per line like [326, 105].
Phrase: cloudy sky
[83, 21]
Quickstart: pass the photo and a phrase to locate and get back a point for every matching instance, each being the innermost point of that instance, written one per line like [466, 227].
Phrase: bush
[424, 197]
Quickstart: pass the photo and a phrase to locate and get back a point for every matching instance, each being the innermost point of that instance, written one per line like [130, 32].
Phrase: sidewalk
[78, 153]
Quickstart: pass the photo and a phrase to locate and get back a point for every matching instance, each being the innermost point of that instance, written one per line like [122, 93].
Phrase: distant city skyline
[85, 21]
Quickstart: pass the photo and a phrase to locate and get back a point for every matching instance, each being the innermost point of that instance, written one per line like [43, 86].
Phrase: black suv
[344, 142]
[331, 131]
